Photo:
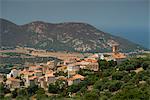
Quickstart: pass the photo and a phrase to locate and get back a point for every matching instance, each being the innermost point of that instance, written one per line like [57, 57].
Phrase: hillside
[69, 36]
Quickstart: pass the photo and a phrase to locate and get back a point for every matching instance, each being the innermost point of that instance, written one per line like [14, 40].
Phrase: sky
[126, 18]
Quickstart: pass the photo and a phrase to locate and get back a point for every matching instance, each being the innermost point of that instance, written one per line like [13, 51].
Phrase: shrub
[145, 64]
[115, 86]
[129, 67]
[91, 96]
[118, 75]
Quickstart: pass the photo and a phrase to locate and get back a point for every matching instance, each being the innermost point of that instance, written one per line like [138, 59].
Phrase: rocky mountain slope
[70, 36]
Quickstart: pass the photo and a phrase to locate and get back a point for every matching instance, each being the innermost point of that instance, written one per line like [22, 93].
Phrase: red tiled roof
[33, 77]
[37, 71]
[13, 79]
[77, 76]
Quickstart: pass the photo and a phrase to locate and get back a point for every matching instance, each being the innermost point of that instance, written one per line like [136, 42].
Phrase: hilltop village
[94, 75]
[43, 74]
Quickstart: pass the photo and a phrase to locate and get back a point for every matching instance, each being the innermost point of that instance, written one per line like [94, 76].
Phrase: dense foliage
[129, 80]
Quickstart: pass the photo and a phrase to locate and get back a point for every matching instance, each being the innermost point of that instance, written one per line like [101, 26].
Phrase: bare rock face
[70, 36]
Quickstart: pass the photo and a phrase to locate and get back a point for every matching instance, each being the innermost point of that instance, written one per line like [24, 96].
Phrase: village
[44, 74]
[74, 50]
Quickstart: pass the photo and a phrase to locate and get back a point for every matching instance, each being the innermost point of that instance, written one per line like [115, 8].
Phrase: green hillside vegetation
[112, 82]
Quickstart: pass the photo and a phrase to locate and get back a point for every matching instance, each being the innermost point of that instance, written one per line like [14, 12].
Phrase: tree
[2, 90]
[53, 88]
[121, 67]
[32, 89]
[127, 86]
[145, 64]
[112, 63]
[91, 96]
[22, 92]
[98, 85]
[126, 78]
[76, 87]
[91, 79]
[115, 86]
[129, 67]
[4, 78]
[133, 73]
[40, 94]
[58, 87]
[60, 73]
[103, 64]
[22, 98]
[83, 89]
[14, 93]
[148, 81]
[73, 88]
[134, 93]
[85, 72]
[118, 75]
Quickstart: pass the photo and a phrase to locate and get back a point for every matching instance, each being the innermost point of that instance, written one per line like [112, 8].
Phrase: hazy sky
[126, 18]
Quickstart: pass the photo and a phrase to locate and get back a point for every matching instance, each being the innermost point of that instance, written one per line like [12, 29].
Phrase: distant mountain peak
[4, 22]
[70, 36]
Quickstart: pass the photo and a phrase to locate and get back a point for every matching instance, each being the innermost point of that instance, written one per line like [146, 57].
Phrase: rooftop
[13, 79]
[77, 76]
[33, 77]
[119, 55]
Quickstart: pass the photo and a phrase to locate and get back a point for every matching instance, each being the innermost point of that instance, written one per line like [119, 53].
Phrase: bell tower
[115, 48]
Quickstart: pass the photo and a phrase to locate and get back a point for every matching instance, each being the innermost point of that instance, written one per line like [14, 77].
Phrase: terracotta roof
[49, 75]
[23, 72]
[29, 72]
[119, 55]
[90, 60]
[77, 76]
[35, 66]
[49, 72]
[84, 62]
[33, 77]
[39, 66]
[95, 56]
[37, 71]
[63, 67]
[13, 79]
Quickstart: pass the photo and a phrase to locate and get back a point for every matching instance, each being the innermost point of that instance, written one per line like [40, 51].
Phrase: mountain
[70, 36]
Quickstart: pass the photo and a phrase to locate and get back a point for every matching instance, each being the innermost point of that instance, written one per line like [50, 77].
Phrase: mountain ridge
[69, 36]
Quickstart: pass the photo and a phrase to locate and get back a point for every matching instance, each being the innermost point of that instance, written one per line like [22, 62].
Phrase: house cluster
[45, 74]
[30, 76]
